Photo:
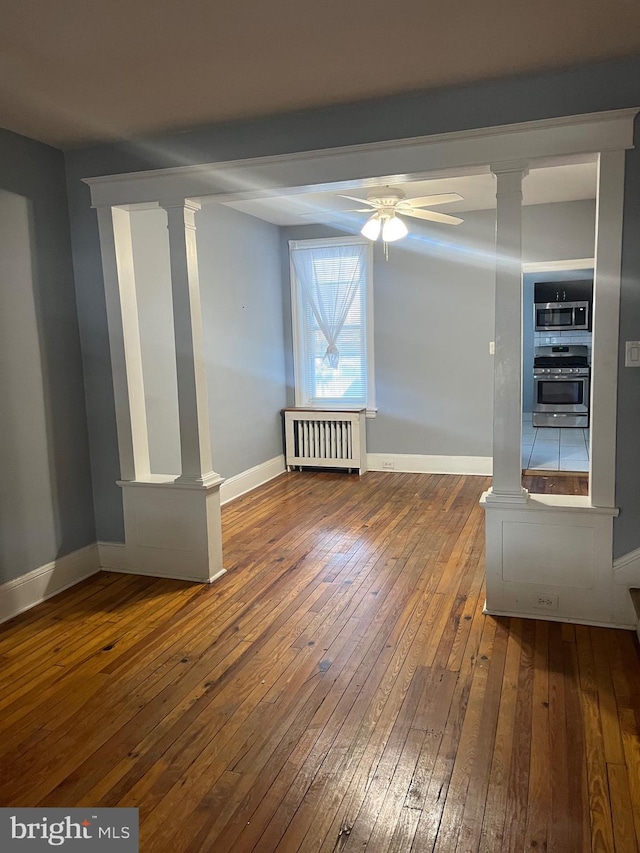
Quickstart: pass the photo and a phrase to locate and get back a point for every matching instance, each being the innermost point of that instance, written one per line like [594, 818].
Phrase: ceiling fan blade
[336, 213]
[432, 216]
[429, 200]
[359, 200]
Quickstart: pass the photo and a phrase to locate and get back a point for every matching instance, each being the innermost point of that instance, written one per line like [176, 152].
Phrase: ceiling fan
[387, 204]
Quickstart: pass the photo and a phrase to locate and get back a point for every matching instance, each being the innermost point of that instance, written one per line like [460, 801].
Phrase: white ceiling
[565, 182]
[73, 71]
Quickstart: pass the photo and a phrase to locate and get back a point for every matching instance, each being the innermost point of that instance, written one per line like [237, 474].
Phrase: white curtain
[330, 276]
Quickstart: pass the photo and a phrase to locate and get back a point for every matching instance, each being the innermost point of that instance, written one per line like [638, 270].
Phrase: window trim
[299, 378]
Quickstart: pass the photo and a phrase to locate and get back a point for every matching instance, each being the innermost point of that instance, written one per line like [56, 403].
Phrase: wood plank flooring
[556, 484]
[338, 690]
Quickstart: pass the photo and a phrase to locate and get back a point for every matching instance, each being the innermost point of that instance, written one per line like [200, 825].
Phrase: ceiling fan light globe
[371, 228]
[394, 229]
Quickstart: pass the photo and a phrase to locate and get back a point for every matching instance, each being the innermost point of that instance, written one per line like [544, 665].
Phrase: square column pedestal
[172, 529]
[550, 558]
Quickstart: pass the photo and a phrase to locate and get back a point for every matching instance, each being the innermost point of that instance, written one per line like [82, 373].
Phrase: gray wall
[434, 306]
[242, 314]
[46, 509]
[601, 86]
[627, 526]
[558, 232]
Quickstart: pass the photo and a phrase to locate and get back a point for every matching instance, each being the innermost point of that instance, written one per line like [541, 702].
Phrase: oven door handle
[557, 377]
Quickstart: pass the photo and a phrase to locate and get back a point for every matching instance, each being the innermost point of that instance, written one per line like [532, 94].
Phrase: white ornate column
[507, 381]
[505, 503]
[124, 339]
[193, 406]
[172, 521]
[604, 354]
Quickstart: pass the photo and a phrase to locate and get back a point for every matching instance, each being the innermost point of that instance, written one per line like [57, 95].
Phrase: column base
[493, 497]
[205, 480]
[173, 528]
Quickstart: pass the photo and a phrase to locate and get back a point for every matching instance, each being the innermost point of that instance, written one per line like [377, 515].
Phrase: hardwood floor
[556, 484]
[338, 690]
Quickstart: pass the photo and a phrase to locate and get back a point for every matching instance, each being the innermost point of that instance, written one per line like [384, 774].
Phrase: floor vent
[325, 439]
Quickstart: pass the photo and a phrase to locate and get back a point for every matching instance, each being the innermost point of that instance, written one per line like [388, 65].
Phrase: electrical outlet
[546, 602]
[632, 354]
[388, 464]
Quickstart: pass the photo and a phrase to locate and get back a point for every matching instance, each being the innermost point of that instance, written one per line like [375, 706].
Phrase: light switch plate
[632, 354]
[492, 347]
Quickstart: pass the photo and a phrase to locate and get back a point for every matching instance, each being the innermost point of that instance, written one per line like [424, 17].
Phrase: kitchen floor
[553, 449]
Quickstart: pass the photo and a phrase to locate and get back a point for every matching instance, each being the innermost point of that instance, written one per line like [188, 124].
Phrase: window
[331, 288]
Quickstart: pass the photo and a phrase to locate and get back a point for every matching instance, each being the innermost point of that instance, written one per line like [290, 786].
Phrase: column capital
[183, 203]
[181, 214]
[509, 167]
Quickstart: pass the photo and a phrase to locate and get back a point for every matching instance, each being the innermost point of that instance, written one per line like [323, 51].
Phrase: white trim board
[349, 167]
[48, 580]
[250, 479]
[559, 266]
[416, 463]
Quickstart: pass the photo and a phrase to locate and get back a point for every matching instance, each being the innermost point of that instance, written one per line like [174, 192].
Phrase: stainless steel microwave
[561, 316]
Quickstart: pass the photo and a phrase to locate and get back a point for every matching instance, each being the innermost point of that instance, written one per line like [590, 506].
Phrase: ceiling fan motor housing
[386, 197]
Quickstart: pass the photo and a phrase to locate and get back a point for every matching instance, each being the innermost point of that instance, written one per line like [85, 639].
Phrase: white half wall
[550, 558]
[113, 556]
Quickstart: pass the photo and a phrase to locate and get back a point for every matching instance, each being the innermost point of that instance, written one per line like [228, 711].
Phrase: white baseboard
[113, 559]
[25, 592]
[543, 617]
[146, 573]
[626, 569]
[414, 463]
[246, 481]
[112, 555]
